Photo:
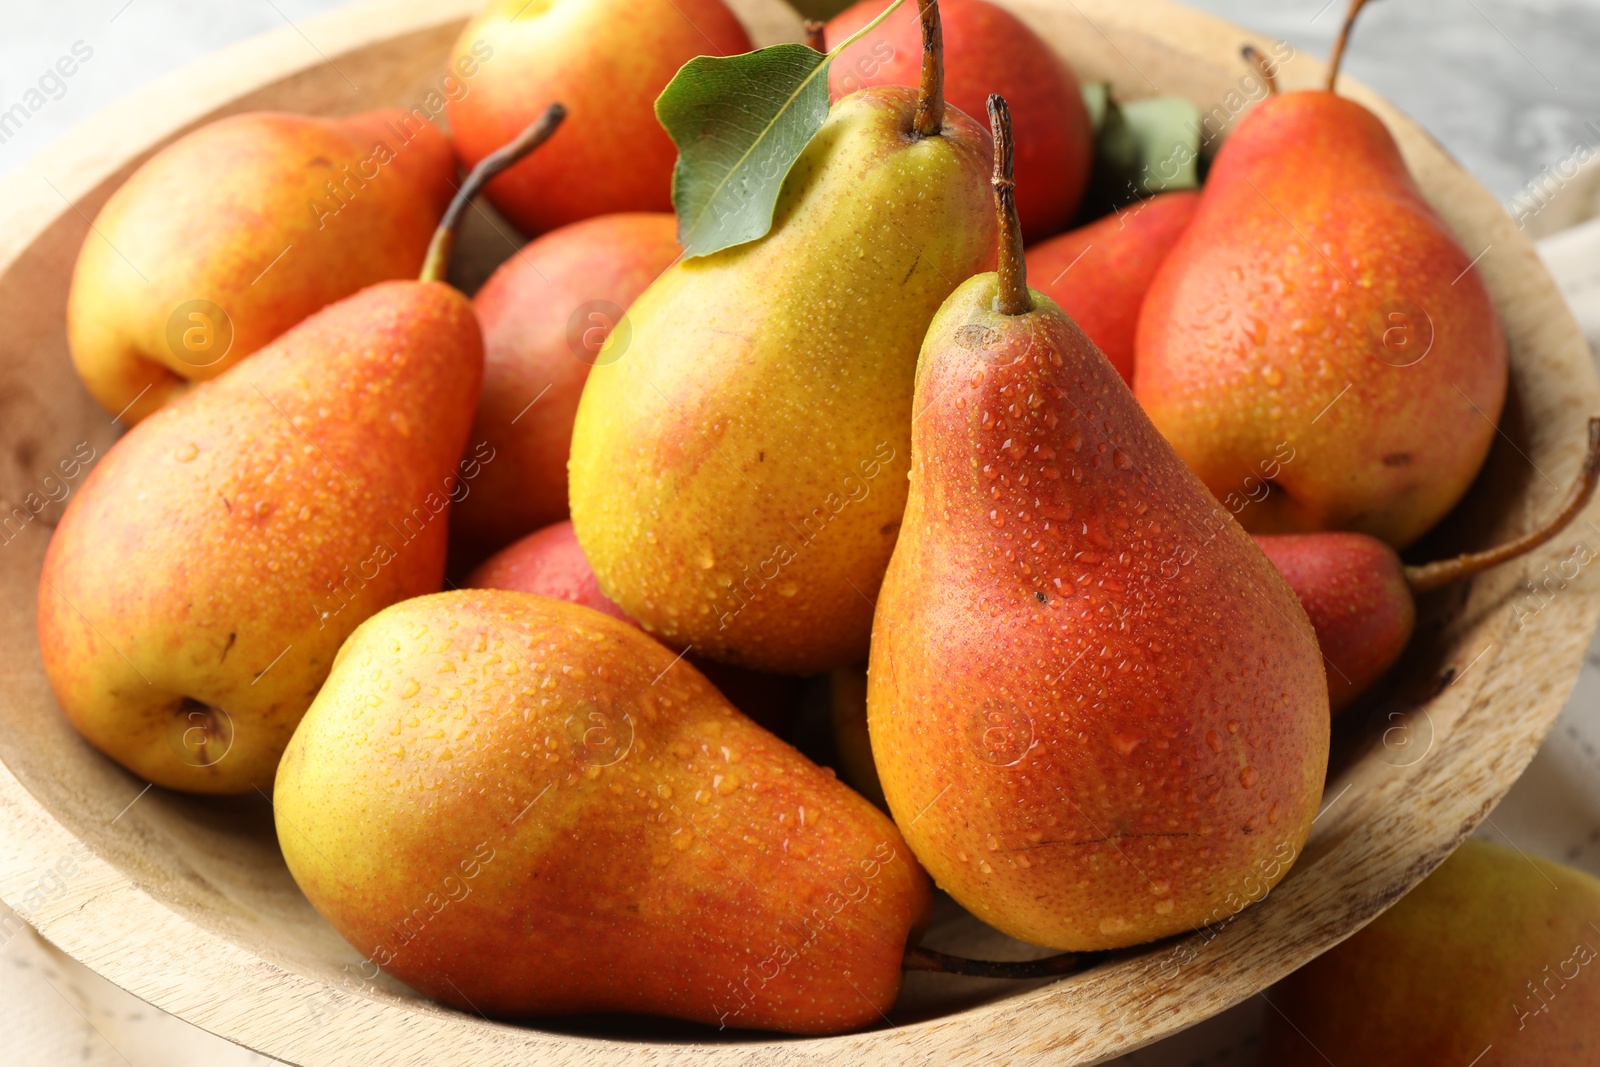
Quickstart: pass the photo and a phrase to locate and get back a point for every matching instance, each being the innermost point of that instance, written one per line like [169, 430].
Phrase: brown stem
[930, 97]
[537, 132]
[926, 959]
[1254, 57]
[1431, 576]
[817, 35]
[1343, 39]
[1014, 298]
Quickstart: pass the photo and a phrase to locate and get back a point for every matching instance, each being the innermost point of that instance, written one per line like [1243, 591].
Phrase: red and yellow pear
[234, 233]
[1094, 705]
[1490, 962]
[203, 578]
[1098, 274]
[546, 313]
[737, 478]
[1318, 302]
[987, 50]
[607, 60]
[1361, 598]
[523, 807]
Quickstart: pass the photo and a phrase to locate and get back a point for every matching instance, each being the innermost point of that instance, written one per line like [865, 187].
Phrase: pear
[1098, 274]
[550, 562]
[546, 312]
[737, 476]
[232, 234]
[1361, 598]
[1095, 707]
[852, 743]
[1318, 304]
[607, 60]
[988, 50]
[523, 807]
[1490, 961]
[208, 569]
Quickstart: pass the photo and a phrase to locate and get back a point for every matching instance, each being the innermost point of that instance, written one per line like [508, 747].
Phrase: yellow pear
[521, 806]
[738, 472]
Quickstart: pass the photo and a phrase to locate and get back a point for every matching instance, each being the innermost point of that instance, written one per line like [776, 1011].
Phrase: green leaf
[1168, 131]
[739, 123]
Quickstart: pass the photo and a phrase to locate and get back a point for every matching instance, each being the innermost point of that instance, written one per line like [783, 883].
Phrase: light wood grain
[187, 903]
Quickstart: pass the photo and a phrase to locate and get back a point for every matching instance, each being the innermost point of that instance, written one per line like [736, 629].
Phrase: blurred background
[1511, 88]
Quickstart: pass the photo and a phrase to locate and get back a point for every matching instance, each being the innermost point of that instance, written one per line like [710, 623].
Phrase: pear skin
[551, 563]
[522, 807]
[1318, 305]
[1494, 961]
[546, 312]
[987, 50]
[211, 565]
[606, 61]
[738, 475]
[235, 232]
[1099, 273]
[1353, 588]
[1095, 707]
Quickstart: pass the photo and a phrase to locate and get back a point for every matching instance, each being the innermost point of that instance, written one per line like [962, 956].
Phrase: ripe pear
[1361, 598]
[987, 50]
[523, 807]
[550, 562]
[1318, 302]
[546, 312]
[202, 579]
[738, 475]
[607, 61]
[1098, 274]
[1094, 705]
[235, 232]
[1491, 962]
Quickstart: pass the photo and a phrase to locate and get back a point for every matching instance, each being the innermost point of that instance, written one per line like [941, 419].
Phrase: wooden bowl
[187, 903]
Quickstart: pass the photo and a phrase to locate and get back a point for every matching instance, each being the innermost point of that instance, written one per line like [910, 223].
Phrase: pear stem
[437, 263]
[1014, 297]
[1337, 58]
[1254, 57]
[926, 959]
[817, 35]
[1430, 576]
[930, 97]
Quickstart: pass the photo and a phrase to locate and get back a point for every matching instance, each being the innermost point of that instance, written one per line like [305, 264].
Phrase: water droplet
[185, 452]
[983, 865]
[1249, 777]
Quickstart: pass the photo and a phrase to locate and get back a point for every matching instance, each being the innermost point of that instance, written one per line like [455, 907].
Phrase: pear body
[737, 476]
[208, 569]
[235, 232]
[1353, 589]
[656, 853]
[1099, 273]
[987, 50]
[551, 563]
[1095, 708]
[1491, 961]
[546, 312]
[606, 61]
[1317, 306]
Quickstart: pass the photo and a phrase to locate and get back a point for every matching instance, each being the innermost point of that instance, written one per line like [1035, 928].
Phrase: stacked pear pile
[672, 463]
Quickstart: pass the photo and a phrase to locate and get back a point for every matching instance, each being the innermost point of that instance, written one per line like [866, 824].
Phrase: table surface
[1509, 88]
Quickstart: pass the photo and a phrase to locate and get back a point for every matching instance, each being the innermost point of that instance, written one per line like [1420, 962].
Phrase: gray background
[1506, 85]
